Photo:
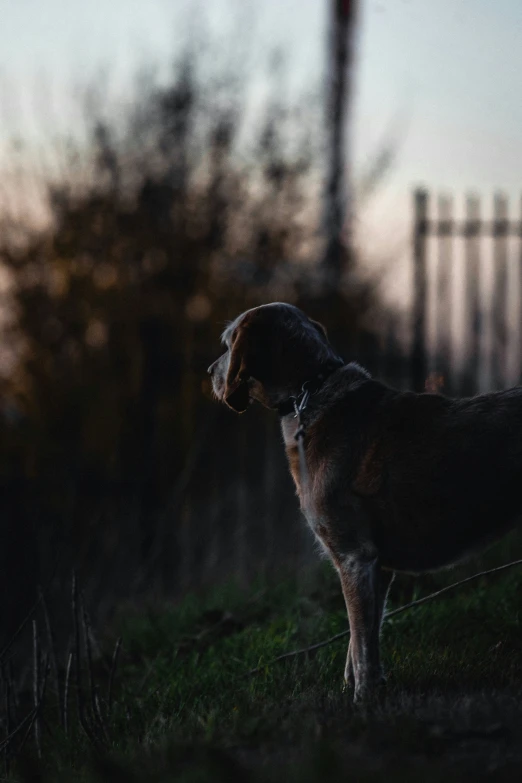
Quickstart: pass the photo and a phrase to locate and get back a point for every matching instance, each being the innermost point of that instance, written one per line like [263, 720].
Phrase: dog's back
[434, 477]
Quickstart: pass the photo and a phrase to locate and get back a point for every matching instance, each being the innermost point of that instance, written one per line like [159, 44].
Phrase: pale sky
[446, 75]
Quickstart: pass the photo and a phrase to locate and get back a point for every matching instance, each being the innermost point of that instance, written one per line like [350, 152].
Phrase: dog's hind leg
[365, 587]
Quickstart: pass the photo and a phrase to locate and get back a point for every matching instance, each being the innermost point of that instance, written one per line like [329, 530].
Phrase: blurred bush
[172, 219]
[173, 227]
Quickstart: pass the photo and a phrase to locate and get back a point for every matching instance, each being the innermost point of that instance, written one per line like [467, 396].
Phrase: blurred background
[166, 165]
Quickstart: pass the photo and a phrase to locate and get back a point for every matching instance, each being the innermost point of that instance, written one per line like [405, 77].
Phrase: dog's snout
[211, 368]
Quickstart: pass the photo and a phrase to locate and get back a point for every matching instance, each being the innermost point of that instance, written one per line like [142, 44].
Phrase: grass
[185, 708]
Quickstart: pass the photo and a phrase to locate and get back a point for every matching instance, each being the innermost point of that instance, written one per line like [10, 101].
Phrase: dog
[396, 481]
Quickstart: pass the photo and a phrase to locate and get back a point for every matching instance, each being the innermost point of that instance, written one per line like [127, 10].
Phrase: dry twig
[7, 686]
[29, 718]
[5, 649]
[393, 613]
[51, 648]
[91, 735]
[36, 712]
[7, 740]
[66, 694]
[114, 663]
[36, 687]
[95, 707]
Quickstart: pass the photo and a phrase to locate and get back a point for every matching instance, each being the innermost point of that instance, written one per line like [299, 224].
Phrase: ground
[186, 708]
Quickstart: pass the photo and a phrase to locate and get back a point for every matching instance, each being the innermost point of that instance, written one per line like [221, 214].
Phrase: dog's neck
[312, 385]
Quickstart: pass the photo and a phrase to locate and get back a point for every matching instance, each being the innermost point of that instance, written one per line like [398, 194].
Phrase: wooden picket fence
[467, 295]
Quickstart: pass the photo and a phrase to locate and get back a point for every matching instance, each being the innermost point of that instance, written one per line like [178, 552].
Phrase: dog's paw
[364, 694]
[369, 690]
[347, 687]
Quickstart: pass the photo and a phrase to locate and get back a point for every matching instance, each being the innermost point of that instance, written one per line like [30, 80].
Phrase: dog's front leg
[384, 579]
[360, 585]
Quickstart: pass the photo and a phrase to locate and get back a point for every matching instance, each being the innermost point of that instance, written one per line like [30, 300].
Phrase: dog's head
[270, 352]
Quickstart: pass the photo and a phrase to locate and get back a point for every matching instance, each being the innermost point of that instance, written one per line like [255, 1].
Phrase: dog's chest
[335, 485]
[314, 504]
[289, 428]
[326, 458]
[311, 478]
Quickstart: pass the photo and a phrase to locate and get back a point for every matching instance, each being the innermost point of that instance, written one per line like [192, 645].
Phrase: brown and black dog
[397, 481]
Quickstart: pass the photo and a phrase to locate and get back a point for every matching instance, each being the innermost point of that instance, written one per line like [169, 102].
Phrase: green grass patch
[185, 707]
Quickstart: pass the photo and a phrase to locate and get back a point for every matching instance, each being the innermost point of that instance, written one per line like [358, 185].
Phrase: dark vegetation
[172, 219]
[167, 221]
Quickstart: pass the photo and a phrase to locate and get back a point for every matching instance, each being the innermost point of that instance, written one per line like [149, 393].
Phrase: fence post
[418, 351]
[443, 309]
[338, 198]
[472, 305]
[499, 304]
[519, 302]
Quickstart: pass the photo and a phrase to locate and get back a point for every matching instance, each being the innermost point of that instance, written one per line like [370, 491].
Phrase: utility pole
[337, 197]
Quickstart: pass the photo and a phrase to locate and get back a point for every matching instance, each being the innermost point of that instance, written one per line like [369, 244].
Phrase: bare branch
[36, 687]
[393, 613]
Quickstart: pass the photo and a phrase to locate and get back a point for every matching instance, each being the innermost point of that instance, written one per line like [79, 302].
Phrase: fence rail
[466, 228]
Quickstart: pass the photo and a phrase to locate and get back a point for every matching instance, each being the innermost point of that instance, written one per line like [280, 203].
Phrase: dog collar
[297, 404]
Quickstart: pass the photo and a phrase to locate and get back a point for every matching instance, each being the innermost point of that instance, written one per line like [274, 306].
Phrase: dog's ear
[320, 328]
[236, 393]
